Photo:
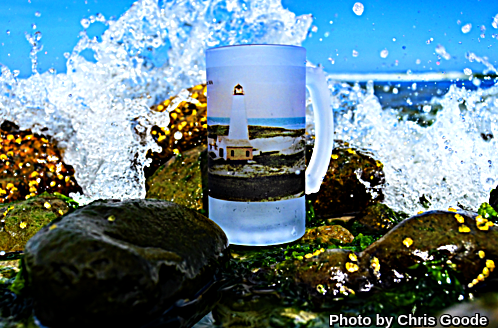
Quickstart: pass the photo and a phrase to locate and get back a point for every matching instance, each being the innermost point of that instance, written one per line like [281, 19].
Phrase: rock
[126, 263]
[327, 234]
[187, 128]
[31, 164]
[485, 306]
[469, 242]
[21, 220]
[180, 180]
[378, 218]
[341, 191]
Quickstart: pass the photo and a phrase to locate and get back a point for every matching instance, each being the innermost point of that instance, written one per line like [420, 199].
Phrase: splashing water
[453, 162]
[99, 110]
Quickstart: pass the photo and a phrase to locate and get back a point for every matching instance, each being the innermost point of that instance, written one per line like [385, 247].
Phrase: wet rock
[31, 164]
[180, 180]
[485, 306]
[469, 241]
[187, 128]
[341, 191]
[21, 220]
[126, 263]
[378, 218]
[327, 235]
[328, 273]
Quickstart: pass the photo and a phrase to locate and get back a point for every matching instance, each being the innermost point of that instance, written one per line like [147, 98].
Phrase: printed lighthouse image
[237, 145]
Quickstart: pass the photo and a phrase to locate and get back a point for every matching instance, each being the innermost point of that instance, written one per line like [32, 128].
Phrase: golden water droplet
[480, 277]
[61, 212]
[459, 218]
[463, 229]
[353, 257]
[47, 205]
[407, 241]
[52, 227]
[451, 209]
[334, 156]
[111, 218]
[490, 264]
[23, 225]
[308, 256]
[481, 254]
[352, 267]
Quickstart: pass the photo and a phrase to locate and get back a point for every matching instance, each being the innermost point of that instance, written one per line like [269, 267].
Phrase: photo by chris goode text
[408, 320]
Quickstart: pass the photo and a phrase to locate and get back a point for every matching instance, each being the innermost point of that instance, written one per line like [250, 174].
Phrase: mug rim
[255, 45]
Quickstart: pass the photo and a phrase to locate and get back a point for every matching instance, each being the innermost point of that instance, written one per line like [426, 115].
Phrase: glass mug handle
[316, 83]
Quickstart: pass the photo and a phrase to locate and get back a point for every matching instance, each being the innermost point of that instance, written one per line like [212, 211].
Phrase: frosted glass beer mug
[256, 98]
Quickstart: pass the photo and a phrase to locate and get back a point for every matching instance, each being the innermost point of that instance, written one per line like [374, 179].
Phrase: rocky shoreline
[160, 262]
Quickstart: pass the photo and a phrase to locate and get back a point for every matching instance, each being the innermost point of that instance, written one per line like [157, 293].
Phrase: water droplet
[418, 62]
[331, 60]
[355, 53]
[38, 36]
[394, 39]
[466, 28]
[298, 172]
[426, 108]
[467, 71]
[358, 8]
[395, 91]
[33, 26]
[37, 14]
[495, 21]
[314, 28]
[16, 72]
[326, 34]
[2, 253]
[178, 135]
[67, 54]
[8, 32]
[384, 53]
[440, 50]
[85, 23]
[52, 70]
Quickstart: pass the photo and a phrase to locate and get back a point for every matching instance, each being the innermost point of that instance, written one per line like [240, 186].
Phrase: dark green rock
[20, 221]
[180, 180]
[124, 263]
[464, 238]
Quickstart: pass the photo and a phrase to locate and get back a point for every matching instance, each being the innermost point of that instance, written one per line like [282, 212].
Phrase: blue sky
[410, 31]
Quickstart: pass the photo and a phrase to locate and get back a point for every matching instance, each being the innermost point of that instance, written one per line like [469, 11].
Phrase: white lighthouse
[237, 144]
[238, 117]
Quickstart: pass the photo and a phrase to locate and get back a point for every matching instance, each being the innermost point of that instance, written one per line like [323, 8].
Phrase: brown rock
[341, 192]
[328, 234]
[188, 116]
[31, 164]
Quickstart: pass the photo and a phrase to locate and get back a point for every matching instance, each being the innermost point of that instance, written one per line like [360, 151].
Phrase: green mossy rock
[378, 218]
[124, 263]
[21, 220]
[180, 180]
[341, 191]
[466, 239]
